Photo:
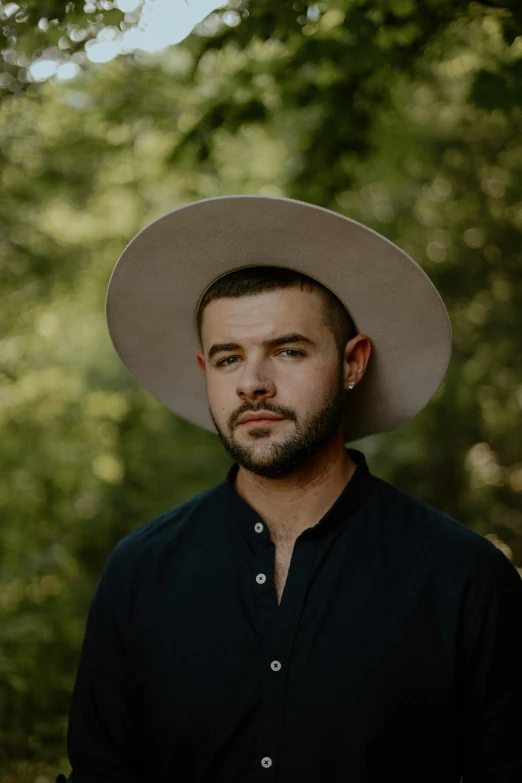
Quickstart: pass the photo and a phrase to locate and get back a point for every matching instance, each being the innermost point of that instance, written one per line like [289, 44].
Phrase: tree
[406, 119]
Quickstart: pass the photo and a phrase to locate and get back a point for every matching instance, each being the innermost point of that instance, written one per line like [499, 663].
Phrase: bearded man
[303, 620]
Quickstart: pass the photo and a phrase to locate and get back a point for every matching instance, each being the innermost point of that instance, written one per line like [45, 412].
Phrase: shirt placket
[278, 626]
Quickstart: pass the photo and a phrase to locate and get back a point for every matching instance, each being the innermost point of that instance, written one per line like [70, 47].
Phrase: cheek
[324, 373]
[220, 395]
[313, 383]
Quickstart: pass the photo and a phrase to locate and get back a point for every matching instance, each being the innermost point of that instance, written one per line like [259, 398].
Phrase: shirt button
[260, 579]
[258, 527]
[266, 762]
[275, 666]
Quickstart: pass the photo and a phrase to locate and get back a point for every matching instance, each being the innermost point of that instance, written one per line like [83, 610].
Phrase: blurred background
[403, 115]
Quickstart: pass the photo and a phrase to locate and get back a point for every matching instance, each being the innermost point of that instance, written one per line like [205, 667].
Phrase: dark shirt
[394, 655]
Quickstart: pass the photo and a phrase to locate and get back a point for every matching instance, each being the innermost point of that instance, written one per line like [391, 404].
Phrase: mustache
[264, 408]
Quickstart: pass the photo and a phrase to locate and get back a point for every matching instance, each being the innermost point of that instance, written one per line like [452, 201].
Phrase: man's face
[305, 378]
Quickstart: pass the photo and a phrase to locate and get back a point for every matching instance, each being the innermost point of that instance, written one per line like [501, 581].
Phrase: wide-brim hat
[162, 274]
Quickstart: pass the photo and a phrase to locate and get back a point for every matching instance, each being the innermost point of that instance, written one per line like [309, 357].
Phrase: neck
[292, 504]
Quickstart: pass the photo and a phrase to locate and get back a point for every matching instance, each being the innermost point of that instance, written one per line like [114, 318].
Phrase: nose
[254, 387]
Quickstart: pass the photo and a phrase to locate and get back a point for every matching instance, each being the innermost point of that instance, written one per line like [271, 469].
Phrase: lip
[260, 419]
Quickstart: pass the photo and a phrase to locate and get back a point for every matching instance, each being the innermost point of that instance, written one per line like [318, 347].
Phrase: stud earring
[351, 385]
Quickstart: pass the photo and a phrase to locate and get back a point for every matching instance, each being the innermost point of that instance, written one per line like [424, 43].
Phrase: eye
[228, 360]
[221, 363]
[292, 350]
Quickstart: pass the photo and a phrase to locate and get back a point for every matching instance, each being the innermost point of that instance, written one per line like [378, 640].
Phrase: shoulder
[172, 528]
[435, 539]
[435, 555]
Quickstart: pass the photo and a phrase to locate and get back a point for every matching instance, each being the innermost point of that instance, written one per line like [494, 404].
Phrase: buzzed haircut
[259, 279]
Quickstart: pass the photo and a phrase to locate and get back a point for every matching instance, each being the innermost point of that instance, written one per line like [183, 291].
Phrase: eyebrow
[284, 339]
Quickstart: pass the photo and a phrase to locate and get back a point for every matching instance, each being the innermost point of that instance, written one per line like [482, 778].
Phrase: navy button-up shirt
[394, 655]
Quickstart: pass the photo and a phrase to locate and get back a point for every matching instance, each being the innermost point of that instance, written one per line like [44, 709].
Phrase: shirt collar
[343, 507]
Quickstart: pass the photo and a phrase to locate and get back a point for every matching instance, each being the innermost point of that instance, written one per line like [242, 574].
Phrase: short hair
[258, 279]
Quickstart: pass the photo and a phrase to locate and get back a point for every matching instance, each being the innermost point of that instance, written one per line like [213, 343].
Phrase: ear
[356, 355]
[201, 361]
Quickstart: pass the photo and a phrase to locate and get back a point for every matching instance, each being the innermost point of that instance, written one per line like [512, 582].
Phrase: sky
[161, 23]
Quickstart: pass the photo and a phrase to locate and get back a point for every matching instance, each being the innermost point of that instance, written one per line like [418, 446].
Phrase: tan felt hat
[163, 272]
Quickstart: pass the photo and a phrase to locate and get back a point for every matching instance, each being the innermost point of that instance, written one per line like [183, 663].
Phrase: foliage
[402, 115]
[51, 29]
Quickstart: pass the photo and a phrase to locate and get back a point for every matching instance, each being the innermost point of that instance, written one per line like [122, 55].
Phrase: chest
[282, 559]
[345, 651]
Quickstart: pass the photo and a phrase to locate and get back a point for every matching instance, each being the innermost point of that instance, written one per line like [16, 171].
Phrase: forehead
[288, 308]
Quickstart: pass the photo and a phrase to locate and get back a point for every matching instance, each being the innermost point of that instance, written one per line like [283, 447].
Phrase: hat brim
[161, 275]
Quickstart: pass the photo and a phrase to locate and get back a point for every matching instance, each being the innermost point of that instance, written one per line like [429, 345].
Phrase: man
[302, 620]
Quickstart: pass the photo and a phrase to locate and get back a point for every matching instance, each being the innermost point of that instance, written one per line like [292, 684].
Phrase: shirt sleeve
[493, 682]
[99, 738]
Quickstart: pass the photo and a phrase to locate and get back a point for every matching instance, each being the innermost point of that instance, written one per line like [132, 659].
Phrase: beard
[281, 459]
